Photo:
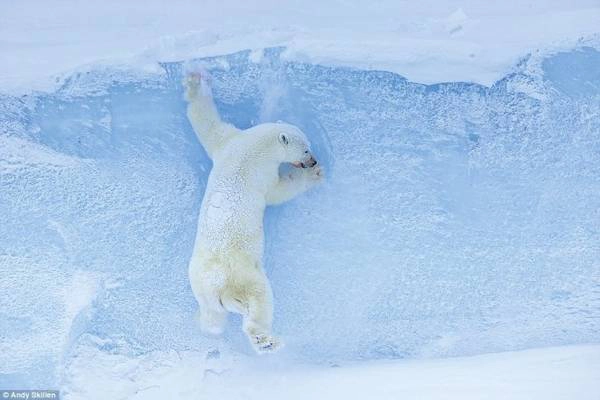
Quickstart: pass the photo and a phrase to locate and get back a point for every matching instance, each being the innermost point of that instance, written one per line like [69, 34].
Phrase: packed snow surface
[559, 373]
[428, 41]
[457, 218]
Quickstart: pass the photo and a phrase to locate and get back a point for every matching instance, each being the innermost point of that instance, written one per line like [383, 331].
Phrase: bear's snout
[310, 163]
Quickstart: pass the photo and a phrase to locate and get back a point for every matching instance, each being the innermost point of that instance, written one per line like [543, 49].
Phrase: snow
[458, 218]
[428, 42]
[564, 373]
[19, 153]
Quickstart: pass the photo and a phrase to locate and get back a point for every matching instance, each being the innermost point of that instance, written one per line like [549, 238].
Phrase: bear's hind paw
[266, 344]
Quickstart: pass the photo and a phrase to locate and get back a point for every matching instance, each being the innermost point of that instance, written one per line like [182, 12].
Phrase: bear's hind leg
[251, 297]
[212, 321]
[257, 325]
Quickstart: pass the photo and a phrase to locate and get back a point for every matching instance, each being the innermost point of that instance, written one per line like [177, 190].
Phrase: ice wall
[456, 218]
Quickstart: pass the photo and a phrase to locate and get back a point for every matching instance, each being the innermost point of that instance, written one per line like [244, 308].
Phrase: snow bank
[427, 42]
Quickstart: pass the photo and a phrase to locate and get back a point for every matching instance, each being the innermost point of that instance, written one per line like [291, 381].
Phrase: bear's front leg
[297, 181]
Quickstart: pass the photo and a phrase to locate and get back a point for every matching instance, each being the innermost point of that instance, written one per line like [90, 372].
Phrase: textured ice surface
[456, 219]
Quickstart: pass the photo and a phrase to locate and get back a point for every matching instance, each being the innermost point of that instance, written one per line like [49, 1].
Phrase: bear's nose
[310, 163]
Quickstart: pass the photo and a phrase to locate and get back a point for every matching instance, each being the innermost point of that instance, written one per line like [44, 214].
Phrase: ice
[456, 219]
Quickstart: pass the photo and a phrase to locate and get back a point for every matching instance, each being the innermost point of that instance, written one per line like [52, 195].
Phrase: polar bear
[225, 271]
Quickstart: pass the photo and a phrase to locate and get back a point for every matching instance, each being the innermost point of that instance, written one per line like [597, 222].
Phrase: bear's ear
[283, 139]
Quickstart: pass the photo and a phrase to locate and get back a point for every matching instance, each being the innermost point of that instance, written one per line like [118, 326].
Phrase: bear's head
[295, 146]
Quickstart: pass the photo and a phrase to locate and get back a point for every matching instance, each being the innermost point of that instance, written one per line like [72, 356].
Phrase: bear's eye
[305, 151]
[283, 139]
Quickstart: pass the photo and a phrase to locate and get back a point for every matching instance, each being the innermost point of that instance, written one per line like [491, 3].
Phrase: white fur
[226, 272]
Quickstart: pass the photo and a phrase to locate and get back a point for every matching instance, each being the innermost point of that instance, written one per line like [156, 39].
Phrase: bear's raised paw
[196, 83]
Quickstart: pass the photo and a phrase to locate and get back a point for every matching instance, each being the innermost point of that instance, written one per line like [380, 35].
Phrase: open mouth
[305, 164]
